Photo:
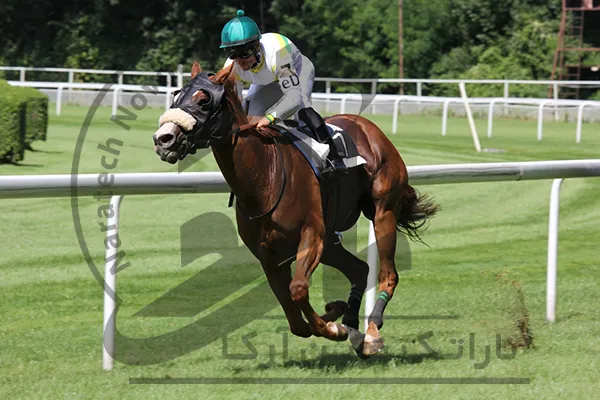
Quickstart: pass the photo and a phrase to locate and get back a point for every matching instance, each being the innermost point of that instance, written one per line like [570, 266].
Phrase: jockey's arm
[291, 101]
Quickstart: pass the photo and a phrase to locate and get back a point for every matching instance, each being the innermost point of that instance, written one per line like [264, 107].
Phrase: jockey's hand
[254, 119]
[263, 122]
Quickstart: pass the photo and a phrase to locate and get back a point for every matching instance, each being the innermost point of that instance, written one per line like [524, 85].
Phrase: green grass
[486, 236]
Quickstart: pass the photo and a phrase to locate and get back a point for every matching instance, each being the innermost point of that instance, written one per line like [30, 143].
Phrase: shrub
[13, 108]
[17, 131]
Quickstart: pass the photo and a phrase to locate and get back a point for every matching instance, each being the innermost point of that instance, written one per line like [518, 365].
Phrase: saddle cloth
[315, 152]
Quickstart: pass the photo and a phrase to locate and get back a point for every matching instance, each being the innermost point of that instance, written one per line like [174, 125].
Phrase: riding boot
[333, 157]
[314, 120]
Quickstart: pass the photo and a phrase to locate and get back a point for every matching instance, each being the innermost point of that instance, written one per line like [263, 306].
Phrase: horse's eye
[201, 97]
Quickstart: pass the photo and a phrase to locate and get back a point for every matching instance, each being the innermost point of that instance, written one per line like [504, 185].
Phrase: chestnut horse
[280, 207]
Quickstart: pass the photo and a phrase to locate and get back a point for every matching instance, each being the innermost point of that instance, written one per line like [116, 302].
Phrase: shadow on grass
[342, 362]
[29, 148]
[20, 164]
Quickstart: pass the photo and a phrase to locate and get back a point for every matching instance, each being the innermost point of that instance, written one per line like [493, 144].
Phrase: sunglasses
[241, 53]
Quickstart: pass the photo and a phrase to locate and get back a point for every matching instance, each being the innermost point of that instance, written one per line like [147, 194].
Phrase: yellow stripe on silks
[240, 79]
[283, 42]
[259, 66]
[285, 46]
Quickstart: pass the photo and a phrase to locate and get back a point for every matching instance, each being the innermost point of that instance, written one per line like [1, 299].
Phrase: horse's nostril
[166, 138]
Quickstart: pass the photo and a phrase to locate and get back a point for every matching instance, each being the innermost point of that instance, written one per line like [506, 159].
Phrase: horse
[282, 206]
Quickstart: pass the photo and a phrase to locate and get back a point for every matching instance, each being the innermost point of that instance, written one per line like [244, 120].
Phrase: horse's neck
[248, 166]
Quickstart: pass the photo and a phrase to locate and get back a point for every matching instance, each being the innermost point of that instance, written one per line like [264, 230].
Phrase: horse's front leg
[308, 257]
[279, 277]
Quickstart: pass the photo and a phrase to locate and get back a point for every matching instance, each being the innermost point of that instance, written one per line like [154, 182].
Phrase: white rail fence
[180, 76]
[30, 186]
[361, 101]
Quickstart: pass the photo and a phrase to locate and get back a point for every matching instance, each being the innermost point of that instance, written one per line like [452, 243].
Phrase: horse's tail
[413, 212]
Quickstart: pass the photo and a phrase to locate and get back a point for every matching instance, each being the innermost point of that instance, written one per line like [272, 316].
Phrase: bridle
[209, 121]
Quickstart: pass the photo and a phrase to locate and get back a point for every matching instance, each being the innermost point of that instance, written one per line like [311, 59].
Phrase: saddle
[315, 151]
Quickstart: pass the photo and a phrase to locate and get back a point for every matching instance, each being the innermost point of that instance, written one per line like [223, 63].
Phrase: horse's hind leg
[386, 198]
[356, 270]
[308, 257]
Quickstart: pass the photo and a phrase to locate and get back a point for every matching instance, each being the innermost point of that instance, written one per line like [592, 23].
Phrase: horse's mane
[226, 77]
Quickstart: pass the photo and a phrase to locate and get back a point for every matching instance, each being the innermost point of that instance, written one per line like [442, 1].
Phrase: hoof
[372, 346]
[357, 341]
[337, 308]
[337, 332]
[373, 343]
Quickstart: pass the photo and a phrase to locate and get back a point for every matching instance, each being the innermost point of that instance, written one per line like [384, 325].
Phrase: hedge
[13, 108]
[23, 119]
[37, 114]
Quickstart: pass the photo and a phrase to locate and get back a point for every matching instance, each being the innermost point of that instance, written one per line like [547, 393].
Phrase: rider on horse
[280, 77]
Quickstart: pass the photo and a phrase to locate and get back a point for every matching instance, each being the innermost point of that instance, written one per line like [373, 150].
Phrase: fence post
[491, 117]
[395, 117]
[579, 122]
[343, 105]
[168, 99]
[555, 97]
[328, 91]
[373, 93]
[71, 79]
[59, 92]
[115, 102]
[552, 250]
[419, 88]
[110, 288]
[445, 116]
[541, 118]
[22, 74]
[506, 95]
[372, 258]
[180, 76]
[463, 94]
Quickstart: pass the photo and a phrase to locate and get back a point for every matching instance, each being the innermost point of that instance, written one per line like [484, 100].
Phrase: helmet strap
[256, 54]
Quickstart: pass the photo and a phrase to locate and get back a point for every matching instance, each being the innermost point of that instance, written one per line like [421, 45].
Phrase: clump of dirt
[523, 337]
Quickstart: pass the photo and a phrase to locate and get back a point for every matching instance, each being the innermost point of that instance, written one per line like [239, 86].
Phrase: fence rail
[180, 76]
[213, 182]
[344, 99]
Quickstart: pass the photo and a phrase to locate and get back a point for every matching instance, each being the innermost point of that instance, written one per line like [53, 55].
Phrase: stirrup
[335, 168]
[339, 237]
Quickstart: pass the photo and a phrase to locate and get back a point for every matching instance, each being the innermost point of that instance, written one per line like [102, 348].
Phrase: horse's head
[195, 119]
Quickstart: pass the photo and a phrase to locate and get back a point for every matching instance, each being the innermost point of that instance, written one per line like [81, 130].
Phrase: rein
[283, 183]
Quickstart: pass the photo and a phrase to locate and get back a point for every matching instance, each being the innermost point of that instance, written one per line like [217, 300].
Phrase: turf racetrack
[483, 274]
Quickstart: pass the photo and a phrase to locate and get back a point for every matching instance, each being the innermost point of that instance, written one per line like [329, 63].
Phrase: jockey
[280, 77]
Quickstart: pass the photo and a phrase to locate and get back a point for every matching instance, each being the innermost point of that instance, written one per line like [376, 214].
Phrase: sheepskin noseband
[178, 117]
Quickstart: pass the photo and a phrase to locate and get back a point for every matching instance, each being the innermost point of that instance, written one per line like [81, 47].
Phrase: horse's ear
[196, 69]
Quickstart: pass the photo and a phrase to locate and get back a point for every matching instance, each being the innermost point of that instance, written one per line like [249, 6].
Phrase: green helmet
[238, 31]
